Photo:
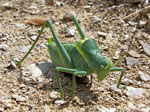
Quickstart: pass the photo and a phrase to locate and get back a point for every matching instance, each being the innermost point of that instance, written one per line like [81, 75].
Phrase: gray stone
[23, 49]
[96, 19]
[71, 32]
[117, 54]
[61, 102]
[100, 89]
[59, 3]
[13, 64]
[142, 23]
[54, 95]
[131, 23]
[33, 37]
[114, 88]
[126, 81]
[5, 6]
[19, 25]
[3, 46]
[143, 76]
[41, 68]
[134, 54]
[68, 17]
[35, 71]
[104, 109]
[135, 92]
[22, 86]
[131, 61]
[86, 6]
[146, 48]
[18, 98]
[101, 34]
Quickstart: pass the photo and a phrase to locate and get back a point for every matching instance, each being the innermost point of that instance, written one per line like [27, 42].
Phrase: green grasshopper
[81, 58]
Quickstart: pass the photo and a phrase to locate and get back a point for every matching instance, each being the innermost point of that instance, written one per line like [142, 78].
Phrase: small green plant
[81, 58]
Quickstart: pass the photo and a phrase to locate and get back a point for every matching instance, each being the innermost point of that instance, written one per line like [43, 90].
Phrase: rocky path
[32, 87]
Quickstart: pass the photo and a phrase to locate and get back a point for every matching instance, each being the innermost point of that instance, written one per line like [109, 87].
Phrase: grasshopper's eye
[102, 66]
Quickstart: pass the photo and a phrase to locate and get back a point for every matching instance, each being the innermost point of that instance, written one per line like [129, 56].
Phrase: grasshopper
[81, 58]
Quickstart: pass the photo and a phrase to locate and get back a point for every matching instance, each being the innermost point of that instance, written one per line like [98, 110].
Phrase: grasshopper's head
[103, 69]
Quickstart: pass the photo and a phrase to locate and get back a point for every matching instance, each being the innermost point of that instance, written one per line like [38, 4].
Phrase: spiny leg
[41, 31]
[59, 84]
[121, 75]
[61, 50]
[75, 73]
[78, 28]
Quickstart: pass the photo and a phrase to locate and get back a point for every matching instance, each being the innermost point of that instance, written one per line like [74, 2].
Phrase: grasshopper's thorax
[103, 69]
[94, 58]
[90, 52]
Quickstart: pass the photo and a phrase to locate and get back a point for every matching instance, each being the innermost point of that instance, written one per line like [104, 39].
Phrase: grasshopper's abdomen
[77, 60]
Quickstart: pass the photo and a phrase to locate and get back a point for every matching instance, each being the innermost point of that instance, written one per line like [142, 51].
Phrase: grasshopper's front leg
[121, 75]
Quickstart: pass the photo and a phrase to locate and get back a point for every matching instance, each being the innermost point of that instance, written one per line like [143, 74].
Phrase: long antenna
[113, 54]
[120, 59]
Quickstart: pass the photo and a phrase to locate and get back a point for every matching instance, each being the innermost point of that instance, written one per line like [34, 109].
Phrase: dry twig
[138, 13]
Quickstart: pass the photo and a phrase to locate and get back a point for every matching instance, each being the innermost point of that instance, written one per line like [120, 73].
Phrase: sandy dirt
[33, 88]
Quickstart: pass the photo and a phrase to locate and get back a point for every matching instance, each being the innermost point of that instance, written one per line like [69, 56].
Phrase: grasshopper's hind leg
[79, 28]
[65, 58]
[38, 36]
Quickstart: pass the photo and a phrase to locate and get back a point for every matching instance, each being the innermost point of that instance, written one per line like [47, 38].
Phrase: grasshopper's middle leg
[75, 73]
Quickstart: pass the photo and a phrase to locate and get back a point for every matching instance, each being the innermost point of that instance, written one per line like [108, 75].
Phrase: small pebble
[144, 77]
[101, 34]
[87, 7]
[142, 23]
[96, 19]
[3, 46]
[18, 98]
[146, 48]
[61, 102]
[59, 3]
[54, 95]
[71, 32]
[134, 92]
[134, 54]
[33, 37]
[131, 61]
[23, 49]
[68, 17]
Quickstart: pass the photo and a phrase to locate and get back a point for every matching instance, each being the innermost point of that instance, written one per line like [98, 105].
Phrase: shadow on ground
[83, 91]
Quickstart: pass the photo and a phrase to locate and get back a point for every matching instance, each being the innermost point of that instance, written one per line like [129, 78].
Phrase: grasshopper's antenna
[120, 59]
[113, 54]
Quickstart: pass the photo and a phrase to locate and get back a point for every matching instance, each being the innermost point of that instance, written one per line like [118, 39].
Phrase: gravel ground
[32, 86]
